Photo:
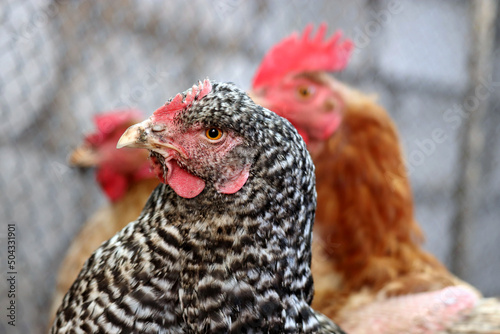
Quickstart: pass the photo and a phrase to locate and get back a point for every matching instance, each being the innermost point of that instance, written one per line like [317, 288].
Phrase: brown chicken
[126, 179]
[367, 245]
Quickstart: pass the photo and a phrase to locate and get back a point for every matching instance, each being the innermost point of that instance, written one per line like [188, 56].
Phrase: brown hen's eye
[305, 92]
[213, 133]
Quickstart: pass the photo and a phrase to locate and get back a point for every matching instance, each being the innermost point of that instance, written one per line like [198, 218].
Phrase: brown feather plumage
[367, 241]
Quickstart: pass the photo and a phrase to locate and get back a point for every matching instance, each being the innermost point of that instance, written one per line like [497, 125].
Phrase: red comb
[178, 103]
[301, 53]
[108, 122]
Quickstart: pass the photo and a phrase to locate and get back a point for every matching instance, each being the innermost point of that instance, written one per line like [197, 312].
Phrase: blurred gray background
[63, 61]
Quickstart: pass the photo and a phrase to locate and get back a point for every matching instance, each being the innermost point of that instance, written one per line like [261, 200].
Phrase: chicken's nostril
[157, 128]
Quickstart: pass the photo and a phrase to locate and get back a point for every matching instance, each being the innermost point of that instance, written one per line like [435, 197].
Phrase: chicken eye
[213, 133]
[305, 92]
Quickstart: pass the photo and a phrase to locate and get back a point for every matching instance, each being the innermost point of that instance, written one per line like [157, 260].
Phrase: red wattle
[182, 182]
[232, 186]
[114, 185]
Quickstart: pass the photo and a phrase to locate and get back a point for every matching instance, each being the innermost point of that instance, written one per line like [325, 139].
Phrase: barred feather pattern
[215, 263]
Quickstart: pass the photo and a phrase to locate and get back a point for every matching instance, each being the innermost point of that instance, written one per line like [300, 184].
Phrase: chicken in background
[126, 180]
[371, 274]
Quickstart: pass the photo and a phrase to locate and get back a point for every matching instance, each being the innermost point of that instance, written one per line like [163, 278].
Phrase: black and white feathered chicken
[225, 244]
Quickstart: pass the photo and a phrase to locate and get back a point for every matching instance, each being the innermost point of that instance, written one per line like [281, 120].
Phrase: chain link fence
[63, 61]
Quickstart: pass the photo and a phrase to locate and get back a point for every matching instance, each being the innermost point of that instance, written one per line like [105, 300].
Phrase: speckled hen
[225, 244]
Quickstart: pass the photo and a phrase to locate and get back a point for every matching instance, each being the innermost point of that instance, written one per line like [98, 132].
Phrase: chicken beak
[257, 98]
[141, 135]
[136, 136]
[84, 156]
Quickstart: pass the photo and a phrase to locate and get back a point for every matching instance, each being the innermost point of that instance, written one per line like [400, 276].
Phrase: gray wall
[63, 61]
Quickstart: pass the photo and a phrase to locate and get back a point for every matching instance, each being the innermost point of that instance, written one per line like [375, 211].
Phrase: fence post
[475, 105]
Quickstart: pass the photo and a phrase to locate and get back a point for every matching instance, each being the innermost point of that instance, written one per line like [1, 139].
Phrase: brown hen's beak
[84, 156]
[258, 99]
[136, 136]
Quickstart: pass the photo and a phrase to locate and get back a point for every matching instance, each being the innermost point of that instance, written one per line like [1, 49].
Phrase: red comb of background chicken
[107, 123]
[178, 103]
[301, 53]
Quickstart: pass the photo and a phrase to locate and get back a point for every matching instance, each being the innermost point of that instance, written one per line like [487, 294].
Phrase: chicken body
[127, 189]
[367, 244]
[224, 245]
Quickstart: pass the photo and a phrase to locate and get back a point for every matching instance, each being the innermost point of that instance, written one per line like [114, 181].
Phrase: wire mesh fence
[64, 61]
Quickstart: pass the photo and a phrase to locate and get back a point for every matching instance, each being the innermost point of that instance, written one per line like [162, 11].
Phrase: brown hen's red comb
[179, 102]
[301, 53]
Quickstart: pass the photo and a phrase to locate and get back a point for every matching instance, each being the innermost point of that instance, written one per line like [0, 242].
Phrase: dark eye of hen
[213, 133]
[305, 92]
